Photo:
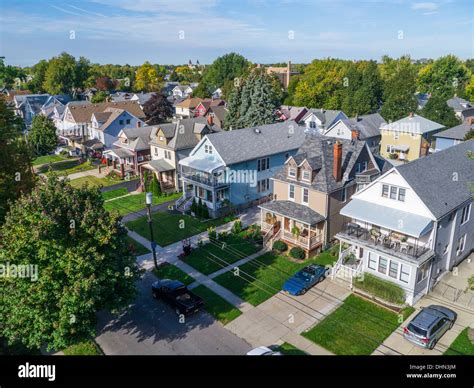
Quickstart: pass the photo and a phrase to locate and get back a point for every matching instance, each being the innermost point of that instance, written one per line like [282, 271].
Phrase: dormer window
[292, 172]
[361, 167]
[208, 149]
[306, 176]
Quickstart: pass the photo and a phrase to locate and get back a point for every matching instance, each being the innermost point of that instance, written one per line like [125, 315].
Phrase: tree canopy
[42, 135]
[158, 109]
[82, 259]
[147, 79]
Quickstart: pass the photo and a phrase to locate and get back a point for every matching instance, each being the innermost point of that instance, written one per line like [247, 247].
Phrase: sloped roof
[139, 137]
[294, 211]
[326, 116]
[457, 133]
[219, 111]
[368, 125]
[250, 143]
[319, 151]
[82, 113]
[459, 104]
[413, 124]
[189, 103]
[442, 180]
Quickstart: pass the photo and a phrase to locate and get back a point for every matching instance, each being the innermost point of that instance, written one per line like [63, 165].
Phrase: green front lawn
[357, 327]
[94, 181]
[111, 194]
[290, 350]
[137, 248]
[67, 167]
[40, 160]
[215, 305]
[262, 277]
[171, 227]
[218, 254]
[86, 348]
[170, 271]
[462, 345]
[135, 202]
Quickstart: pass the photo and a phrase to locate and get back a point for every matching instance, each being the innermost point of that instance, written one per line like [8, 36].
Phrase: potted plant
[295, 231]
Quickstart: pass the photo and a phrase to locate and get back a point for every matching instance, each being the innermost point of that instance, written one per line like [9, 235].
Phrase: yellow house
[409, 138]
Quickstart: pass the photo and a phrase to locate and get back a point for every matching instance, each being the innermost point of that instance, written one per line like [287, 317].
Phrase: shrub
[222, 235]
[205, 212]
[297, 253]
[380, 288]
[280, 246]
[211, 233]
[237, 227]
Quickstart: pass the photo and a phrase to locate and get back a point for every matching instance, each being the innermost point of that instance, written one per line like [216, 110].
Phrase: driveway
[283, 318]
[150, 327]
[440, 297]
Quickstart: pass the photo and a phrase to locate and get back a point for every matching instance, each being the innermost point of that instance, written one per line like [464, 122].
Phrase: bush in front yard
[297, 253]
[380, 288]
[280, 246]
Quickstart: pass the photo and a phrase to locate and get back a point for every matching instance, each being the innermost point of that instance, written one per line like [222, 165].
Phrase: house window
[393, 269]
[128, 121]
[422, 272]
[344, 194]
[140, 158]
[292, 172]
[372, 264]
[263, 185]
[306, 175]
[405, 273]
[121, 122]
[385, 191]
[389, 149]
[291, 192]
[401, 195]
[466, 211]
[210, 149]
[263, 164]
[312, 124]
[156, 150]
[461, 244]
[168, 155]
[361, 167]
[393, 192]
[382, 265]
[305, 198]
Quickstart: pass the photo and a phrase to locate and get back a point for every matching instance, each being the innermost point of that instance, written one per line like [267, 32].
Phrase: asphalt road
[150, 327]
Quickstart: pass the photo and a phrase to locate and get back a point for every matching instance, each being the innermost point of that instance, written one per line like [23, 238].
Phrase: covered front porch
[121, 160]
[164, 171]
[296, 224]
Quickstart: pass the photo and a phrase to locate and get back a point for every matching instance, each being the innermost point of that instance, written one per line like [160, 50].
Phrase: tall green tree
[399, 93]
[437, 110]
[8, 74]
[42, 135]
[155, 186]
[82, 259]
[232, 116]
[100, 96]
[16, 175]
[225, 68]
[445, 76]
[60, 77]
[38, 72]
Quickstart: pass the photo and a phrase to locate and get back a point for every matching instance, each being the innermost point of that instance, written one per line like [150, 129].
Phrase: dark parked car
[177, 296]
[304, 279]
[429, 325]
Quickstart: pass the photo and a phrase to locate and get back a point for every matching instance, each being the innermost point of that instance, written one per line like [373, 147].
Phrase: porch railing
[391, 242]
[303, 241]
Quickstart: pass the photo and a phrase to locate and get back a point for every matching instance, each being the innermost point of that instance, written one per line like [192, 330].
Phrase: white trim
[289, 191]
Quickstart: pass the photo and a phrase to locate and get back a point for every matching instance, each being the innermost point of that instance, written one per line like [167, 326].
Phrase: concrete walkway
[94, 172]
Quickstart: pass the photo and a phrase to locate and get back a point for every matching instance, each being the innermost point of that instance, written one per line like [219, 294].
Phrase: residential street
[152, 327]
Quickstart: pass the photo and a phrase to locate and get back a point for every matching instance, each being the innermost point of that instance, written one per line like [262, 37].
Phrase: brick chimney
[470, 120]
[410, 115]
[337, 162]
[355, 134]
[210, 120]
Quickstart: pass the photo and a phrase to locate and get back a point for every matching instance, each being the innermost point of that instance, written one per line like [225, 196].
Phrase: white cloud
[429, 7]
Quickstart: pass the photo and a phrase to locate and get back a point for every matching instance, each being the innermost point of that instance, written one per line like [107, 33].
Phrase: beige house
[312, 187]
[171, 142]
[408, 139]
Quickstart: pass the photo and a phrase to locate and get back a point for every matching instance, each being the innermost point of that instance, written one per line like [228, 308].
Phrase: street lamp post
[149, 200]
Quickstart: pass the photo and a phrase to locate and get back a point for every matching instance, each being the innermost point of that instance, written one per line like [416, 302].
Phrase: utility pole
[149, 201]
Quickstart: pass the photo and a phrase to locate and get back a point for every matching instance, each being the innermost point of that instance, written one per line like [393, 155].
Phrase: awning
[159, 165]
[293, 210]
[202, 164]
[401, 147]
[389, 218]
[119, 152]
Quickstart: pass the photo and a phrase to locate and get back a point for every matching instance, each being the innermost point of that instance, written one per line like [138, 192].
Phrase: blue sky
[174, 31]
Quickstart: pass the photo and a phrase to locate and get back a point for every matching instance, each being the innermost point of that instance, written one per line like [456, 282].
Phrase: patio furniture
[404, 247]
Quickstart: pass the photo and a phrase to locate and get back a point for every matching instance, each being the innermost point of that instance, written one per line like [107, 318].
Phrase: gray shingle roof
[255, 142]
[326, 116]
[459, 104]
[413, 124]
[294, 210]
[319, 151]
[368, 125]
[442, 180]
[458, 132]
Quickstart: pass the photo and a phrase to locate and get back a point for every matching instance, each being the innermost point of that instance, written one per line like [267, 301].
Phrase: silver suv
[429, 325]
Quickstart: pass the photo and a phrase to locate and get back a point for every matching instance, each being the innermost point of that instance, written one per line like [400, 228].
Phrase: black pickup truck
[177, 296]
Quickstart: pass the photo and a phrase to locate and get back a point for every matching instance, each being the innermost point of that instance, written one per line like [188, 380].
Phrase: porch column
[309, 237]
[122, 170]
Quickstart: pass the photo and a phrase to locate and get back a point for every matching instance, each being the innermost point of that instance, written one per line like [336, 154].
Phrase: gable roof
[82, 113]
[432, 178]
[368, 125]
[326, 116]
[219, 111]
[139, 138]
[251, 143]
[293, 112]
[457, 133]
[189, 103]
[183, 134]
[413, 124]
[459, 104]
[318, 150]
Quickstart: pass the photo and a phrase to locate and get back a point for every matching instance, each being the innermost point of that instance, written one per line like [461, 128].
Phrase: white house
[322, 119]
[182, 91]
